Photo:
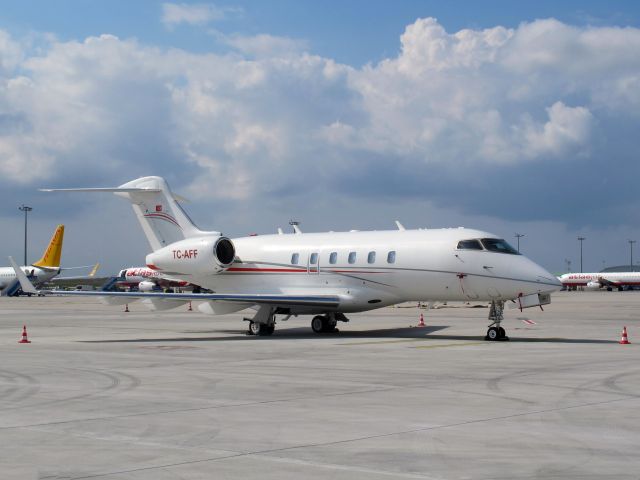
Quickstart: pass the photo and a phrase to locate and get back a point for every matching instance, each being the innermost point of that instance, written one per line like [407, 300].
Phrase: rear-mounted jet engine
[194, 256]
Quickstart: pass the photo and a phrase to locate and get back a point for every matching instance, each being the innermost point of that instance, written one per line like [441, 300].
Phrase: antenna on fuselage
[400, 226]
[294, 224]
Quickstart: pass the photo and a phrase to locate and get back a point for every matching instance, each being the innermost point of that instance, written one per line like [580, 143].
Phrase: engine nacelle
[146, 286]
[594, 285]
[194, 256]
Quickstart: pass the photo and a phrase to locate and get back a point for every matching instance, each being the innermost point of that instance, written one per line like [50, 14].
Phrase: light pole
[26, 210]
[519, 236]
[631, 242]
[568, 262]
[581, 239]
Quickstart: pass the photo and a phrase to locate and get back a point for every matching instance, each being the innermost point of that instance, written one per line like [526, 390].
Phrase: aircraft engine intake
[194, 256]
[146, 286]
[593, 285]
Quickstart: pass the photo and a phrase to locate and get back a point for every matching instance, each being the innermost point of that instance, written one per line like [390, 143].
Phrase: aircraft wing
[72, 282]
[248, 299]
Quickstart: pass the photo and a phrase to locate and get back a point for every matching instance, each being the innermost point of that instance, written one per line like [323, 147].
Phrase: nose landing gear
[495, 331]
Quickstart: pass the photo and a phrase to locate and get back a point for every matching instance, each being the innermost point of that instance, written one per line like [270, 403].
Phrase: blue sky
[330, 27]
[500, 115]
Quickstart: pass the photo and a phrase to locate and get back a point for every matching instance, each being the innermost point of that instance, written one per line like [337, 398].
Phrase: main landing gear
[327, 323]
[324, 324]
[495, 331]
[263, 322]
[260, 329]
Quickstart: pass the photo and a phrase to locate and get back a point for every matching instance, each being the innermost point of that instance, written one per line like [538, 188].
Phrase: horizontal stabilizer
[103, 190]
[160, 215]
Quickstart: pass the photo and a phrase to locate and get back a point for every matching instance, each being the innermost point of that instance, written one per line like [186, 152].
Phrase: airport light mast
[581, 239]
[519, 236]
[26, 210]
[631, 242]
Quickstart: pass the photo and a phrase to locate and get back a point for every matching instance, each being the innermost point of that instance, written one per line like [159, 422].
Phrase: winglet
[27, 286]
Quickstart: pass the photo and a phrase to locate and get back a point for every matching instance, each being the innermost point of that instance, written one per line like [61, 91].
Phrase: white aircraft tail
[162, 218]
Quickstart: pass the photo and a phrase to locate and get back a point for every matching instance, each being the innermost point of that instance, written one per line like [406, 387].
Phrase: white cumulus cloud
[192, 13]
[272, 120]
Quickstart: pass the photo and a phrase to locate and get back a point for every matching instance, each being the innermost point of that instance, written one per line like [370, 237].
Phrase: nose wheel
[495, 332]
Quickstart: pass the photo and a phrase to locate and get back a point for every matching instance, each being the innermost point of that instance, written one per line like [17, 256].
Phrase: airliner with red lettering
[597, 281]
[146, 279]
[324, 275]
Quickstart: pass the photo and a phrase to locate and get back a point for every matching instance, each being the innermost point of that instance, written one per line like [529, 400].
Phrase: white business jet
[326, 275]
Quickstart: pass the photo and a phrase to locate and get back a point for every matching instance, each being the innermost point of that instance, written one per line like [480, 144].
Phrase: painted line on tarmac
[465, 344]
[412, 340]
[379, 342]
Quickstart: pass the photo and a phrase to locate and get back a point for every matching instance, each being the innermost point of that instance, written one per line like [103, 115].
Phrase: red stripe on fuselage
[291, 270]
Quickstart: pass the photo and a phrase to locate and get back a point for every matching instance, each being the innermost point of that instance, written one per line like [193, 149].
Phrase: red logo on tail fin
[158, 208]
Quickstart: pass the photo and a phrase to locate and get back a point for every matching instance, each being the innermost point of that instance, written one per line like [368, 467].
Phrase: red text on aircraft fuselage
[182, 254]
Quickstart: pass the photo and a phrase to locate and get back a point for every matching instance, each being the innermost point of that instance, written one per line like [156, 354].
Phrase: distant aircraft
[39, 272]
[596, 281]
[326, 275]
[146, 280]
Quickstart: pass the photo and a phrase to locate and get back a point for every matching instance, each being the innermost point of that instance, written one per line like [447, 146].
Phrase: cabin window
[498, 245]
[295, 258]
[469, 245]
[371, 257]
[313, 259]
[333, 258]
[391, 257]
[352, 257]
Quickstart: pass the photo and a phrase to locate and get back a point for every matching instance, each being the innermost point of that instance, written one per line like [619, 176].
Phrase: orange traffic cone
[624, 340]
[421, 324]
[24, 335]
[126, 308]
[190, 309]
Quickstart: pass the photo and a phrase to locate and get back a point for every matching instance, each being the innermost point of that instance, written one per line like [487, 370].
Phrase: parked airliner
[596, 281]
[41, 271]
[326, 275]
[146, 279]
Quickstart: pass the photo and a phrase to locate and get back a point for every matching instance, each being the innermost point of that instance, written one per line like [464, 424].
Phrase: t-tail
[51, 256]
[162, 218]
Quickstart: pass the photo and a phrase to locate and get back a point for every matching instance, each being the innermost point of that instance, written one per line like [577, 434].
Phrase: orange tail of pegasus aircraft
[51, 256]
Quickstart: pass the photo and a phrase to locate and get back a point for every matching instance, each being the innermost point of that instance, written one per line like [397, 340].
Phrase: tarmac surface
[179, 395]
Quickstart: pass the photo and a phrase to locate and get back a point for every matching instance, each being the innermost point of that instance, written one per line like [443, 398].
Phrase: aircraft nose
[548, 282]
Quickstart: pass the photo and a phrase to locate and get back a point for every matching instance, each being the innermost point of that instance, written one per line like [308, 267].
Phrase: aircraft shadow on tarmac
[425, 333]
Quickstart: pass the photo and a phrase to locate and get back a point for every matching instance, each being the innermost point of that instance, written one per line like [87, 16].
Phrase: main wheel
[318, 324]
[492, 334]
[261, 329]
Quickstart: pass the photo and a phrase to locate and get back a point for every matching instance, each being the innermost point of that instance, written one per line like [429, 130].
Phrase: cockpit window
[498, 245]
[469, 245]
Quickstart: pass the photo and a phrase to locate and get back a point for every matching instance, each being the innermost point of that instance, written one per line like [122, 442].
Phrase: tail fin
[93, 271]
[51, 256]
[162, 219]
